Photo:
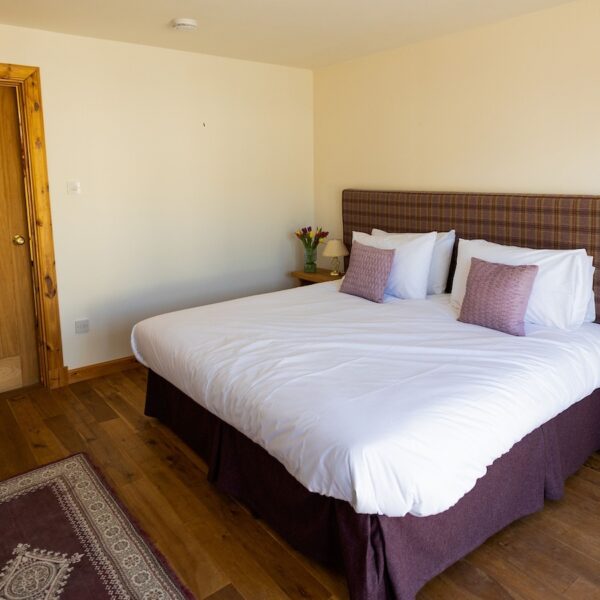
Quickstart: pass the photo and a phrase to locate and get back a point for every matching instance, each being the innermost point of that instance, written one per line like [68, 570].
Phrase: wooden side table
[321, 276]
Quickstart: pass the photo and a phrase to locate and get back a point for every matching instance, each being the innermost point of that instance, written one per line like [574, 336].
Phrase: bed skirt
[384, 558]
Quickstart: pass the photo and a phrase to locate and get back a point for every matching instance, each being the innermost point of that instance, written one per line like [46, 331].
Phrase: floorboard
[222, 552]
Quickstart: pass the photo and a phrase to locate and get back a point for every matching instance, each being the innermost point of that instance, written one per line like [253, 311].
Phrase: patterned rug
[64, 536]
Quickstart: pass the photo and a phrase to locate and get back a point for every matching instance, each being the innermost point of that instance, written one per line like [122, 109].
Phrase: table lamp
[334, 249]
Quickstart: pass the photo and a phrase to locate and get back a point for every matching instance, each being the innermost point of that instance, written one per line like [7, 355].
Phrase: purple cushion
[497, 295]
[367, 272]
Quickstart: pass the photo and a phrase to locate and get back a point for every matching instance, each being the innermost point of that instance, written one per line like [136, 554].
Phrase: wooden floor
[221, 552]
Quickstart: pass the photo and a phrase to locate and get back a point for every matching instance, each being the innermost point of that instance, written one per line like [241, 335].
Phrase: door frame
[26, 80]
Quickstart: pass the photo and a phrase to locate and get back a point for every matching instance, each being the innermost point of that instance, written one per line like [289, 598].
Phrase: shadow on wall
[112, 318]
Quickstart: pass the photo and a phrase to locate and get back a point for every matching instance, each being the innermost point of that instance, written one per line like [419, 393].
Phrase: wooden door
[18, 341]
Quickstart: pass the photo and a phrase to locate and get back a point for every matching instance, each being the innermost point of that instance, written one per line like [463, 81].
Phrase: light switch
[73, 187]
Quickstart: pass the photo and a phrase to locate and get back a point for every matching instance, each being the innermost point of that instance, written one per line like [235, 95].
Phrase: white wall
[195, 170]
[174, 213]
[512, 107]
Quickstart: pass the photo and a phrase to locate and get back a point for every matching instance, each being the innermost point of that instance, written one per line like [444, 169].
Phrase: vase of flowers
[311, 238]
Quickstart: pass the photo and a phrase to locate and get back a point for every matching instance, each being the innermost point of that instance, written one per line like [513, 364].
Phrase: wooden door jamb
[26, 80]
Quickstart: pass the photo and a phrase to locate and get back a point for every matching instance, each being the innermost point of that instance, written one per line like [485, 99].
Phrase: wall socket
[82, 325]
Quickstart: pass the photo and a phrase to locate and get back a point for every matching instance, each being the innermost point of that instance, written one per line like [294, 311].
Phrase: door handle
[18, 240]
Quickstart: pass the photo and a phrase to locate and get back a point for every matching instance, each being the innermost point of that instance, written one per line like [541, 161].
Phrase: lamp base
[335, 266]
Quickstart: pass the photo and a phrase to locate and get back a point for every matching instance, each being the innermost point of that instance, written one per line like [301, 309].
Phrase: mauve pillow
[497, 295]
[367, 272]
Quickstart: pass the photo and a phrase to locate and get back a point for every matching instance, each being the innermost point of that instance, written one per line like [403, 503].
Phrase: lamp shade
[335, 248]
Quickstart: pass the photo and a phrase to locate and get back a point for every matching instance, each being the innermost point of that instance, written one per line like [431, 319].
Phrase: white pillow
[412, 259]
[590, 315]
[440, 261]
[561, 291]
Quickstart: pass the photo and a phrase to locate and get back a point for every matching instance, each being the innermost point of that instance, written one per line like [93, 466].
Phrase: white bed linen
[396, 408]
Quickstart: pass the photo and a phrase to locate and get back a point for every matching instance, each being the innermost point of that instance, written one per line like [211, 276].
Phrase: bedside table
[321, 276]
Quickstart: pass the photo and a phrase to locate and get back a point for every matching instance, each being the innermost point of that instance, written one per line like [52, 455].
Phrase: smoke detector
[184, 24]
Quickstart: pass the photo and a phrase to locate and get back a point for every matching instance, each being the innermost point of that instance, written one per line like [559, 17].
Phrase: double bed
[388, 438]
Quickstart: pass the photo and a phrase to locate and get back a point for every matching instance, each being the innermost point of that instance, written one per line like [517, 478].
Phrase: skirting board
[104, 368]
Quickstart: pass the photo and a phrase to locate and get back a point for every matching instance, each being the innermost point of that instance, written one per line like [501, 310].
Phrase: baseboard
[103, 368]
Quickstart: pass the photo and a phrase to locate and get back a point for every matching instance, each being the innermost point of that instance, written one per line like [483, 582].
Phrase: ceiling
[300, 33]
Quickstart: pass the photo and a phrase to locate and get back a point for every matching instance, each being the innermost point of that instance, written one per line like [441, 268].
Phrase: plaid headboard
[511, 219]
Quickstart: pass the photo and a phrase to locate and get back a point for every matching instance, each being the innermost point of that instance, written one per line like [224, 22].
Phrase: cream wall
[511, 107]
[194, 169]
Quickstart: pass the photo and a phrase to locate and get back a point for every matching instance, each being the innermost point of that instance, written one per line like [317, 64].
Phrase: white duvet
[396, 407]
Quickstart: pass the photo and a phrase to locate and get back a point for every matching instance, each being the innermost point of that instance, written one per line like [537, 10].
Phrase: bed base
[384, 558]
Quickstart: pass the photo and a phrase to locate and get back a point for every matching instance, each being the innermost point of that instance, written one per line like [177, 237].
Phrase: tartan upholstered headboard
[513, 219]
